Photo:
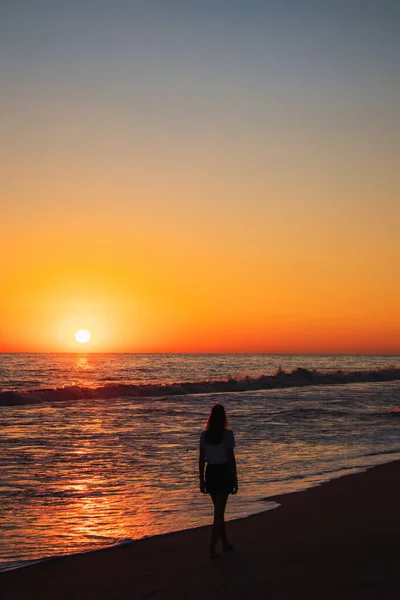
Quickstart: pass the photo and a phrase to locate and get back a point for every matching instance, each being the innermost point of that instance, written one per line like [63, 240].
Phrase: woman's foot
[227, 547]
[213, 553]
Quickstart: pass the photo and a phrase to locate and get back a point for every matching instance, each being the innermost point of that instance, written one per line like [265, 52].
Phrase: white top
[216, 454]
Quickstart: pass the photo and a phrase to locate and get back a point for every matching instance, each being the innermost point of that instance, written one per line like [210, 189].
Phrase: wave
[281, 379]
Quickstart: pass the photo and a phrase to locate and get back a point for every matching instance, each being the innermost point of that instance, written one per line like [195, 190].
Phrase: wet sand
[340, 540]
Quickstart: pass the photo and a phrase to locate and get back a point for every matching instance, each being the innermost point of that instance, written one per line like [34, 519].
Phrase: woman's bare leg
[214, 530]
[222, 500]
[218, 528]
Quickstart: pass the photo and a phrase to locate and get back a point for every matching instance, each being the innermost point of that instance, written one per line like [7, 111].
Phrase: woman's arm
[232, 464]
[202, 462]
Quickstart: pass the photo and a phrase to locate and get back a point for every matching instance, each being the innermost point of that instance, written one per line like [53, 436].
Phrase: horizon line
[206, 353]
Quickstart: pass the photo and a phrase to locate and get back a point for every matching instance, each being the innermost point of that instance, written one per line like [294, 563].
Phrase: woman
[216, 448]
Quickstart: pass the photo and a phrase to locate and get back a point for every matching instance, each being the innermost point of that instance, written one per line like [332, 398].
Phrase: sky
[200, 176]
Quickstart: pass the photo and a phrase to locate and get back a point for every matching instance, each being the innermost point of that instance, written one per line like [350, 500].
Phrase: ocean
[102, 449]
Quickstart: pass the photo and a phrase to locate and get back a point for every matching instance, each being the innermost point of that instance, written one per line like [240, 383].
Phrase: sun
[82, 336]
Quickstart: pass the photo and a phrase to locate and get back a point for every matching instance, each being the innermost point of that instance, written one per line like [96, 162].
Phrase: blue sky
[233, 135]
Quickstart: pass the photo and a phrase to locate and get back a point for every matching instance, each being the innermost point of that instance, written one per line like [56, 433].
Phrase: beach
[200, 209]
[337, 540]
[80, 474]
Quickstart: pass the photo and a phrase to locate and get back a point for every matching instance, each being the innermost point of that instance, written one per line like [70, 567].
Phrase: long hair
[216, 425]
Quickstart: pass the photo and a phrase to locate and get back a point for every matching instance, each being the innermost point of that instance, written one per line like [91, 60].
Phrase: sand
[339, 540]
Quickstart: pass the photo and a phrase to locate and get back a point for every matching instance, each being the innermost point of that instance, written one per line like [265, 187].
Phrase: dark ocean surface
[100, 449]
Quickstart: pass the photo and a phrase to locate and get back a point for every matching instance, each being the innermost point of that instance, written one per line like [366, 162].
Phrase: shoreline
[299, 485]
[343, 532]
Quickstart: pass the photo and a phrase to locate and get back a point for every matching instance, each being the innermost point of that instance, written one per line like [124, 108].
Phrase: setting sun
[121, 227]
[82, 336]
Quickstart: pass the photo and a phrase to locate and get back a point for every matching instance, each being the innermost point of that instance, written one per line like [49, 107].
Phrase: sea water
[80, 473]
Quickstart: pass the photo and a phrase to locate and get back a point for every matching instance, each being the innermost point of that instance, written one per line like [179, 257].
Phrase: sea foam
[281, 379]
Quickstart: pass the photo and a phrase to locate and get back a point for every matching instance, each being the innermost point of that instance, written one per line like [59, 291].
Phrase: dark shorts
[219, 479]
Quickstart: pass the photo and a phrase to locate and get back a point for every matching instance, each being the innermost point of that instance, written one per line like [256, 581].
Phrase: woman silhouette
[216, 448]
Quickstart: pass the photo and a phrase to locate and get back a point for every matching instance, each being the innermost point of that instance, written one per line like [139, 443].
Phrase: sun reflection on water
[82, 362]
[91, 473]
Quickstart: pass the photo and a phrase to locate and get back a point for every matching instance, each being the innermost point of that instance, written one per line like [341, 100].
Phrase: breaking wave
[281, 379]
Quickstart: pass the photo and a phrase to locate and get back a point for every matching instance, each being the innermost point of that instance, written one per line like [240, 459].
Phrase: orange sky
[186, 198]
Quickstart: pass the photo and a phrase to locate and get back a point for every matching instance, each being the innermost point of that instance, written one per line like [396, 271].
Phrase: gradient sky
[200, 175]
